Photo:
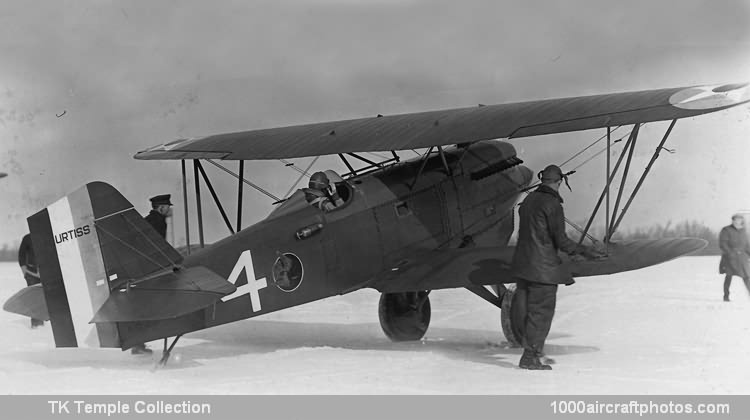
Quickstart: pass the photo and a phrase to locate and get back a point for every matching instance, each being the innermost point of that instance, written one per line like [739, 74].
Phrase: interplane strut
[614, 219]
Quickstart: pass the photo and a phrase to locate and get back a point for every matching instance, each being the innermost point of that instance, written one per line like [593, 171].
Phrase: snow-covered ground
[661, 330]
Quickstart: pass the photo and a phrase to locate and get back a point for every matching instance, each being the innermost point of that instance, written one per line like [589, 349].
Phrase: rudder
[87, 244]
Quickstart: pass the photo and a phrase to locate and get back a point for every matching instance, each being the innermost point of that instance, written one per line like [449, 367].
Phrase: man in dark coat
[537, 267]
[27, 261]
[734, 252]
[157, 218]
[160, 210]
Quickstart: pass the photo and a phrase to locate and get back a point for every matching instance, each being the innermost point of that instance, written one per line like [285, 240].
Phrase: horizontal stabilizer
[30, 302]
[169, 295]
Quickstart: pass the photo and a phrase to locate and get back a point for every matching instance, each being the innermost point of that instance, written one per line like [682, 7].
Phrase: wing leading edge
[460, 125]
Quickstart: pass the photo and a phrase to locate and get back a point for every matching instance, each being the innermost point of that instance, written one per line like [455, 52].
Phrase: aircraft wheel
[404, 316]
[507, 321]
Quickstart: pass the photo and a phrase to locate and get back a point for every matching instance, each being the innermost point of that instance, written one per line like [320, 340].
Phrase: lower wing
[466, 267]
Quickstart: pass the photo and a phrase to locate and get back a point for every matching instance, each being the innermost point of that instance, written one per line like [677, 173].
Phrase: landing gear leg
[511, 312]
[167, 351]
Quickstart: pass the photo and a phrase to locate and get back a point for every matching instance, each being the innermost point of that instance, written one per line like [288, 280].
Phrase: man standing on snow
[734, 252]
[30, 270]
[161, 209]
[537, 267]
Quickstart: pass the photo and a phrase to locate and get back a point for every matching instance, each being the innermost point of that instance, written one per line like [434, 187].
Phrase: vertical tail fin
[88, 244]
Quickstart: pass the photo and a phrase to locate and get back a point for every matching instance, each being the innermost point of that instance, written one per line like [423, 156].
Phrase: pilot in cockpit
[322, 193]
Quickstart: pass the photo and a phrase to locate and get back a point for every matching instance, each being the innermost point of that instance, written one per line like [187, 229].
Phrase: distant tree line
[9, 253]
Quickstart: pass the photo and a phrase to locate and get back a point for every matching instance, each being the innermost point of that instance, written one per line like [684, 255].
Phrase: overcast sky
[132, 74]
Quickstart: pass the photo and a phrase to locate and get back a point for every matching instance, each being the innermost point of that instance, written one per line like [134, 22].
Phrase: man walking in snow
[734, 252]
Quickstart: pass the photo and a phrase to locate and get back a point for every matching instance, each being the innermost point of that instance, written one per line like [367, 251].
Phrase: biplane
[404, 227]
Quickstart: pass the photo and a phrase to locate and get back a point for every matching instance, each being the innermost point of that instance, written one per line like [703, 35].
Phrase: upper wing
[452, 126]
[466, 267]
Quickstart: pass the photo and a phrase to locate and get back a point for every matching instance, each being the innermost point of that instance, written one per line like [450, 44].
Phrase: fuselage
[299, 253]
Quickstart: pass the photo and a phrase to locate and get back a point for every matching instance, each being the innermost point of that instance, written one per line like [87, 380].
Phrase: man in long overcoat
[537, 267]
[735, 250]
[161, 208]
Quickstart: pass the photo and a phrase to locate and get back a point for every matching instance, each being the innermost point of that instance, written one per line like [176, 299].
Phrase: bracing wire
[149, 240]
[302, 175]
[600, 152]
[132, 248]
[293, 166]
[588, 147]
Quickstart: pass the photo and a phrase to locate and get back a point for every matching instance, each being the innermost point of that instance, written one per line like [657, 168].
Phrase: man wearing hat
[320, 194]
[734, 252]
[161, 208]
[537, 267]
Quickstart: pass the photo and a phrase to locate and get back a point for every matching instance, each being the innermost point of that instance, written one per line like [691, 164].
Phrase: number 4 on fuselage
[253, 285]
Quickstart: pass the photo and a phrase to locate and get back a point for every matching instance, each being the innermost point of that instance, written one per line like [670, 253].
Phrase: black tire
[507, 321]
[404, 316]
